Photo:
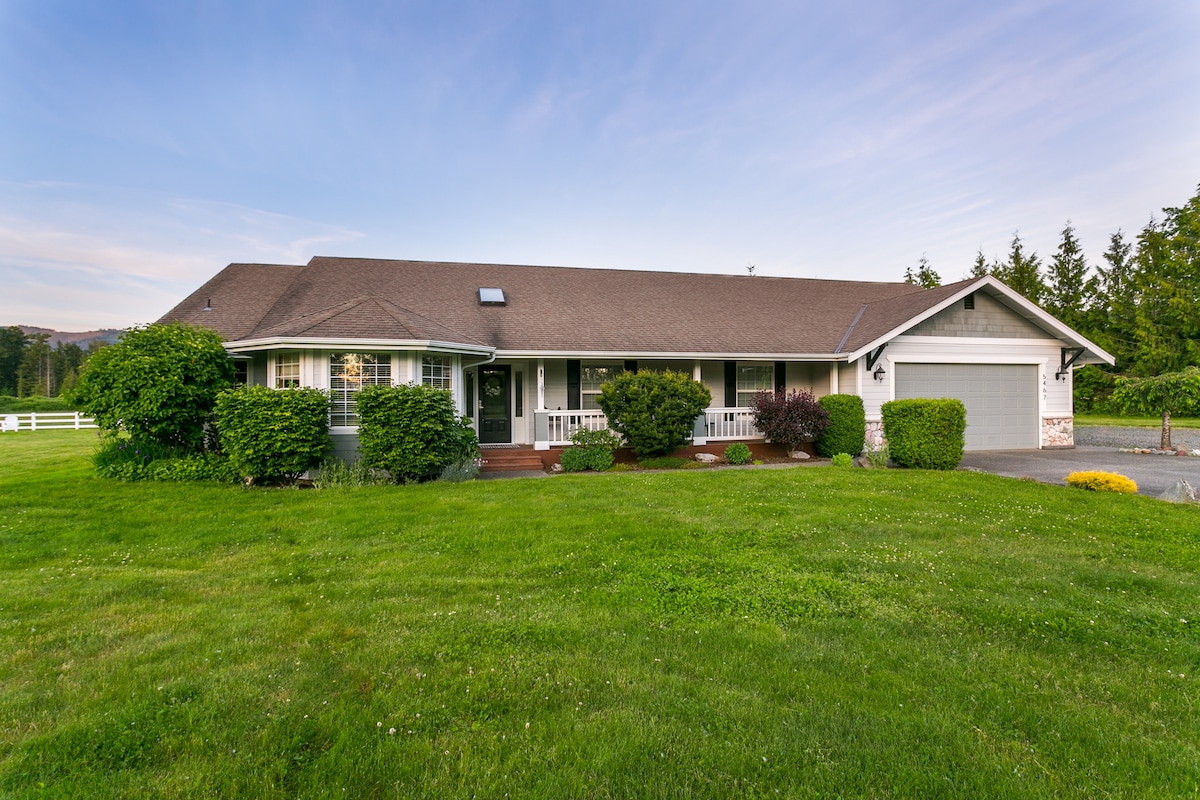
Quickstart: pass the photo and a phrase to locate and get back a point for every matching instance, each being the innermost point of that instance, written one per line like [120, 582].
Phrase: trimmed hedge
[273, 435]
[847, 431]
[925, 433]
[414, 432]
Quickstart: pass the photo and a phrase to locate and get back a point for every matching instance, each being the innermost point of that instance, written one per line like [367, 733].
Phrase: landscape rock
[556, 468]
[799, 455]
[1181, 492]
[706, 458]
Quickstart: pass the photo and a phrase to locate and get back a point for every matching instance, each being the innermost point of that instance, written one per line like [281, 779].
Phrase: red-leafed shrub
[789, 419]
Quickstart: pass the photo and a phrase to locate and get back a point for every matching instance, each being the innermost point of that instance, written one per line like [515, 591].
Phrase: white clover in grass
[391, 731]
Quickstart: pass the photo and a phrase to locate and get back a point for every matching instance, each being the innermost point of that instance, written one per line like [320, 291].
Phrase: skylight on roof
[491, 297]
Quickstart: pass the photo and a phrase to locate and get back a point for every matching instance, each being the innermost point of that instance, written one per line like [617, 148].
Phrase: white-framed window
[348, 374]
[436, 371]
[592, 376]
[287, 370]
[753, 377]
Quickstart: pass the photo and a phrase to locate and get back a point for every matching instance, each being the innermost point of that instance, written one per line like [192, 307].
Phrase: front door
[495, 417]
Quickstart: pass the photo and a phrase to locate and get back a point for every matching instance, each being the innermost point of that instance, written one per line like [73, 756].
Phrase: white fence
[45, 421]
[730, 423]
[554, 428]
[563, 424]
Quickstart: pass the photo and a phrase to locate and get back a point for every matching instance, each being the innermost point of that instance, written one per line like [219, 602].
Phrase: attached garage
[1001, 399]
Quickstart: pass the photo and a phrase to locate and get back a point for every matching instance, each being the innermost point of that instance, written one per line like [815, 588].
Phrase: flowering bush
[1096, 481]
[789, 419]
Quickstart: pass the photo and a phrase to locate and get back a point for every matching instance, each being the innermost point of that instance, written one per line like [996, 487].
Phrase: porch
[555, 428]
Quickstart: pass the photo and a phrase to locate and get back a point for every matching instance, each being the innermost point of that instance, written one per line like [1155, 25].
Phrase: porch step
[503, 459]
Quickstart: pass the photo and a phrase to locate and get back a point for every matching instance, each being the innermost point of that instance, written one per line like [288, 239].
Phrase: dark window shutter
[469, 392]
[573, 395]
[630, 366]
[730, 384]
[780, 376]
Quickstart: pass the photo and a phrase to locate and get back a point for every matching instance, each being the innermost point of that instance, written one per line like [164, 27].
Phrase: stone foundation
[875, 437]
[1058, 432]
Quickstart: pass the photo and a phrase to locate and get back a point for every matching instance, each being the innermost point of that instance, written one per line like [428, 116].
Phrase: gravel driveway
[1097, 449]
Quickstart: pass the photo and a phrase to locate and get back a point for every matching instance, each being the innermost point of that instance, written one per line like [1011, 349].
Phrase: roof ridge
[317, 317]
[398, 312]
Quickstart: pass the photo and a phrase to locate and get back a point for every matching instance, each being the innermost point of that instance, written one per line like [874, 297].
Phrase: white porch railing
[554, 428]
[561, 425]
[729, 423]
[45, 421]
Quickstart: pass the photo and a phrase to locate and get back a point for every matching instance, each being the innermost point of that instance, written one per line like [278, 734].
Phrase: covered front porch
[542, 402]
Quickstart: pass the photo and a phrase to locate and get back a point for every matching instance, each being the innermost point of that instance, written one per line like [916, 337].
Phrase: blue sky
[143, 146]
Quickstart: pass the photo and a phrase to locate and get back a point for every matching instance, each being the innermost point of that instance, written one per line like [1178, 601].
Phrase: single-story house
[524, 349]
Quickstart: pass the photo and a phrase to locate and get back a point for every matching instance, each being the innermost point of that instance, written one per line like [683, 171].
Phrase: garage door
[1001, 399]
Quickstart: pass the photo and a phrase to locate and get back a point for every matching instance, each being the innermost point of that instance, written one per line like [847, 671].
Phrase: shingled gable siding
[989, 319]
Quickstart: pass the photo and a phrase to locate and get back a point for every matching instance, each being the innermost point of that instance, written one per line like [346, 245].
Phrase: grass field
[804, 632]
[1135, 422]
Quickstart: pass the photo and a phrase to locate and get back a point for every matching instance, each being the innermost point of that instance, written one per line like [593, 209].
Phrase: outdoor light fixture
[879, 373]
[1061, 376]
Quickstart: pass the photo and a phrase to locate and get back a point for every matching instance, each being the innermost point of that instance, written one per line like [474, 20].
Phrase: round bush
[738, 453]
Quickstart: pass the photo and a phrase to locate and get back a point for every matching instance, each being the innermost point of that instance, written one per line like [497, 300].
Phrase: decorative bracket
[1069, 356]
[874, 355]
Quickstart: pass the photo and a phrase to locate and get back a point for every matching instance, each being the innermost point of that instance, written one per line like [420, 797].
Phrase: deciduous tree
[1167, 394]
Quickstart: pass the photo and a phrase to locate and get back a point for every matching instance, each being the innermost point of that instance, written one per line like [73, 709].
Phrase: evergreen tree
[35, 376]
[1022, 272]
[1112, 312]
[12, 352]
[980, 267]
[924, 277]
[1168, 286]
[1068, 288]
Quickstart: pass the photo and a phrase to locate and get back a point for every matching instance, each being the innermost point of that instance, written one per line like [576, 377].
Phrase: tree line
[30, 367]
[1141, 304]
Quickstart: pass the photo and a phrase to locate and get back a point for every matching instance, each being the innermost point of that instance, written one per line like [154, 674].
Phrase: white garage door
[1001, 399]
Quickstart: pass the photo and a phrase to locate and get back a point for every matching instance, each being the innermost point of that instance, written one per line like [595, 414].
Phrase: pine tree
[924, 277]
[12, 352]
[1112, 312]
[980, 267]
[1022, 272]
[1068, 288]
[1168, 284]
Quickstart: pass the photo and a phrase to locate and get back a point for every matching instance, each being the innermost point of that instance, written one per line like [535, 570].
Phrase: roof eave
[1093, 354]
[340, 343]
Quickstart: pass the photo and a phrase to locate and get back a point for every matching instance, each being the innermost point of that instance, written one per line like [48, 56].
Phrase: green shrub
[413, 431]
[591, 450]
[193, 467]
[842, 460]
[1102, 482]
[24, 405]
[738, 453]
[847, 431]
[335, 473]
[789, 418]
[878, 458]
[1093, 388]
[159, 383]
[654, 411]
[460, 471]
[925, 433]
[667, 462]
[273, 435]
[126, 460]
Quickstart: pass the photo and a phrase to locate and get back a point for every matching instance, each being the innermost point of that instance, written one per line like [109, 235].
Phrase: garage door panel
[1001, 399]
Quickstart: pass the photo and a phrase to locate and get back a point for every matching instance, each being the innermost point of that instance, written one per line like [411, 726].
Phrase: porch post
[833, 378]
[541, 384]
[697, 371]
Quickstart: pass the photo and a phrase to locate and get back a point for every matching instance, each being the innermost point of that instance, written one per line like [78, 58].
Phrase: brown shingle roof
[552, 309]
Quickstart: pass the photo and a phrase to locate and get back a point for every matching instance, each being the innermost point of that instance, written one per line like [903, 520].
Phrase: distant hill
[109, 335]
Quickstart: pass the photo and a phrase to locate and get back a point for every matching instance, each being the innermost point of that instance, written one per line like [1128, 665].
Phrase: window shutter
[730, 384]
[780, 376]
[630, 365]
[574, 400]
[469, 392]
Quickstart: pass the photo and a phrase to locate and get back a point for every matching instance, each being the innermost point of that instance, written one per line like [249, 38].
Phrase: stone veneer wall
[875, 437]
[1058, 432]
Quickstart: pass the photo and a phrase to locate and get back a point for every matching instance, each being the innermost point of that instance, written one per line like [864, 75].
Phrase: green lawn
[1135, 422]
[805, 632]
